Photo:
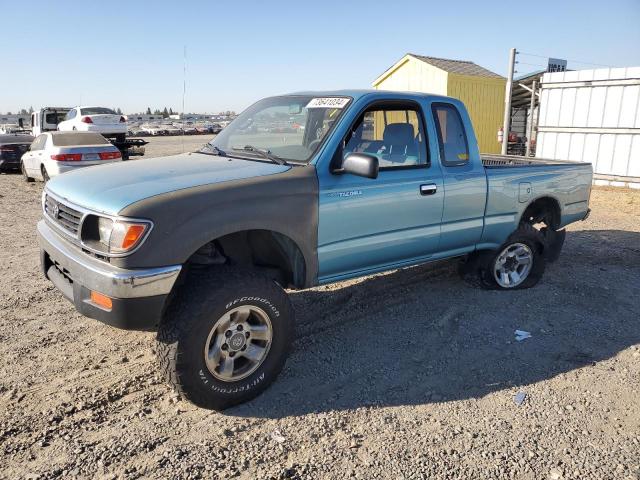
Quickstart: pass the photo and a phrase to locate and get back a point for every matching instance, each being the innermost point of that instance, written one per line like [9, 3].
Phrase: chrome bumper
[102, 277]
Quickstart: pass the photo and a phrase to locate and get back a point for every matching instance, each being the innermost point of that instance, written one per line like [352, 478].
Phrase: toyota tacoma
[300, 190]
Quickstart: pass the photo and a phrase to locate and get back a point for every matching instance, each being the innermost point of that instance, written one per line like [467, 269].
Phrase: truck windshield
[289, 127]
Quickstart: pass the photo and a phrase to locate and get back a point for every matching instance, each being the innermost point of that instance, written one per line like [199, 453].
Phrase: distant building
[480, 89]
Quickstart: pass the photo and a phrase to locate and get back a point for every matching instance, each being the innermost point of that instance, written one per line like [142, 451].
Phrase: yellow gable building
[481, 90]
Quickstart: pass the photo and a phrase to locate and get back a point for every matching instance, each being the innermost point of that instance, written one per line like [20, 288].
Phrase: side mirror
[361, 164]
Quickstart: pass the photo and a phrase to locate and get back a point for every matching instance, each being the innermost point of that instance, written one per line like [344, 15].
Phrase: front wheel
[225, 337]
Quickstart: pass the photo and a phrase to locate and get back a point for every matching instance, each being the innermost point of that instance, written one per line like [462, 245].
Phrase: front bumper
[138, 296]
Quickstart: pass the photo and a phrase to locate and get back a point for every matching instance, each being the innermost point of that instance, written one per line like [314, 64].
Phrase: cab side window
[394, 135]
[452, 139]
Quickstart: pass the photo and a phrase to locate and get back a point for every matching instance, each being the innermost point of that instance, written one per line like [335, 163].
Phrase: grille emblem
[55, 210]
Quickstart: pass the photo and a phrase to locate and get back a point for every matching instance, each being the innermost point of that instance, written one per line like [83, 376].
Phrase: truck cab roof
[357, 94]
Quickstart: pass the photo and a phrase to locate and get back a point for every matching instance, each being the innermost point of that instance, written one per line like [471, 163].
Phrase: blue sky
[130, 54]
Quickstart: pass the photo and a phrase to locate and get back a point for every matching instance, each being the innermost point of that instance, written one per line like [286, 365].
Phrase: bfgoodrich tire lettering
[187, 326]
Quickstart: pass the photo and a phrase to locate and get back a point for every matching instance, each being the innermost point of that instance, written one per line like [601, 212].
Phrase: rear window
[78, 139]
[54, 117]
[97, 111]
[452, 139]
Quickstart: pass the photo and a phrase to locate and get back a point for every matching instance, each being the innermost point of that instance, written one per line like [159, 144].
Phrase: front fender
[185, 220]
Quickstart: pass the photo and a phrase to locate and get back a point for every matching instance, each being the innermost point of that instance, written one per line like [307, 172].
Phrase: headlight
[111, 236]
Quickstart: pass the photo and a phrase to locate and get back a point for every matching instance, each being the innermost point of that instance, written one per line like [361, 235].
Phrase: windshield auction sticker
[328, 102]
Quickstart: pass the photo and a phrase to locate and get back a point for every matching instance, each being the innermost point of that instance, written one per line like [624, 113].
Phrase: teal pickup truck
[300, 190]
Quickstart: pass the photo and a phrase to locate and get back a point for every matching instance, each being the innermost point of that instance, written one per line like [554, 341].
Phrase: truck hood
[110, 188]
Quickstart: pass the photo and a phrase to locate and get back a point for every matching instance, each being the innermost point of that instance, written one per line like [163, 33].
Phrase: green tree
[170, 111]
[165, 113]
[148, 110]
[118, 111]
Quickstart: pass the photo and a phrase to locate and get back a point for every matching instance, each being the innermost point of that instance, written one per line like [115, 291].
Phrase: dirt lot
[410, 374]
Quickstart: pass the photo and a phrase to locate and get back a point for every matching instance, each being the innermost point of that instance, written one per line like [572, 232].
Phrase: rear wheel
[26, 177]
[519, 263]
[225, 337]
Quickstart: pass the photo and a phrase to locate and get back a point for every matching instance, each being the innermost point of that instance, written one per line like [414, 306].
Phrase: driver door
[368, 225]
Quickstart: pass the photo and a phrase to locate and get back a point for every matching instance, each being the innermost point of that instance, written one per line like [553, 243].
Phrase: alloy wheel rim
[238, 343]
[513, 265]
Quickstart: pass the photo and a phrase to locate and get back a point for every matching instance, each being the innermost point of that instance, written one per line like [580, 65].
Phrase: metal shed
[481, 90]
[593, 116]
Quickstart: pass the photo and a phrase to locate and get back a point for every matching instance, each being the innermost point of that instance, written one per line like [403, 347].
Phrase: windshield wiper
[264, 153]
[214, 150]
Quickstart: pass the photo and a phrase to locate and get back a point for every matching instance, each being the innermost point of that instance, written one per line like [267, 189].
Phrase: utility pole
[532, 107]
[506, 124]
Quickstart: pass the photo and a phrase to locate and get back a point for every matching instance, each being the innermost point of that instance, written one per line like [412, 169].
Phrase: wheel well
[545, 209]
[273, 253]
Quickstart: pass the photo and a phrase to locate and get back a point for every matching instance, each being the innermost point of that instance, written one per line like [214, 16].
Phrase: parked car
[12, 147]
[188, 130]
[153, 129]
[53, 153]
[170, 129]
[201, 246]
[95, 119]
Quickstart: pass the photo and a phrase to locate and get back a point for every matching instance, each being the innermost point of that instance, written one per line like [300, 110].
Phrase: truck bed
[493, 160]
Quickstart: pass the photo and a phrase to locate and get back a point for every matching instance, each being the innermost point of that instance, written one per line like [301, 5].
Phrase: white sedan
[53, 153]
[95, 119]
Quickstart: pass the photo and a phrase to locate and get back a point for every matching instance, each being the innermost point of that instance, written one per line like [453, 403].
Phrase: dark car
[12, 147]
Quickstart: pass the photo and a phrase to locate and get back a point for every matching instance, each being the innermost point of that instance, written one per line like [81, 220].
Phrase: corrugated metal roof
[461, 67]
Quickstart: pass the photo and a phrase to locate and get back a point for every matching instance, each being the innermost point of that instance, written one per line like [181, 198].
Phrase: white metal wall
[592, 116]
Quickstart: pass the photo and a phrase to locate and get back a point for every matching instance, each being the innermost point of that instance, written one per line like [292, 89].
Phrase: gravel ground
[408, 374]
[162, 146]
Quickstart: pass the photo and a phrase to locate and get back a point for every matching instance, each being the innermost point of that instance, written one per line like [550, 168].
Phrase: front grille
[63, 215]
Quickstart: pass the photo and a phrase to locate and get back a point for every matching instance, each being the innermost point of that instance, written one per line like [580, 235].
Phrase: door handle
[428, 189]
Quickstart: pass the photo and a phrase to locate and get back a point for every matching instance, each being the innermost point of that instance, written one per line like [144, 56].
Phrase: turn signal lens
[113, 236]
[101, 300]
[125, 235]
[134, 232]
